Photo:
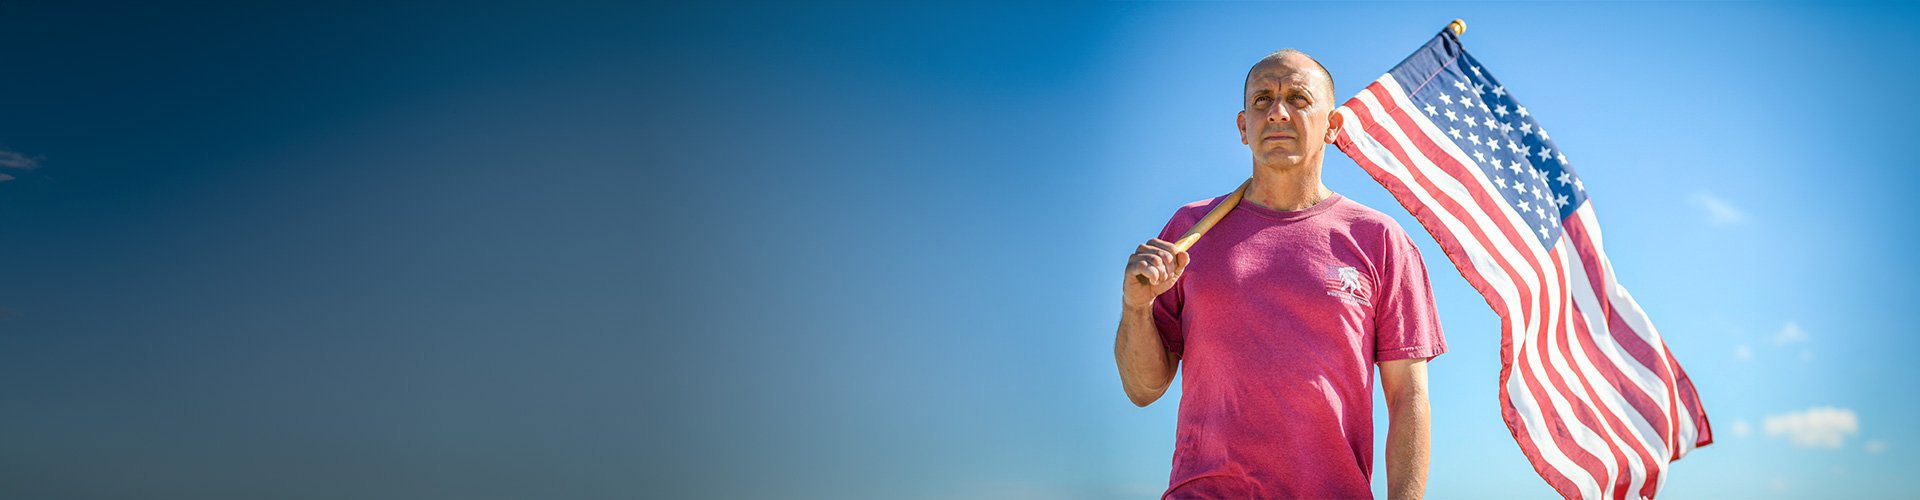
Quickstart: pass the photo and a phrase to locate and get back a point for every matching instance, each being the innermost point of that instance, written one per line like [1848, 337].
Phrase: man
[1289, 303]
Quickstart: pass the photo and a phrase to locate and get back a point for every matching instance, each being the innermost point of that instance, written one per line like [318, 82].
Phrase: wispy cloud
[1876, 446]
[1719, 212]
[1741, 429]
[1743, 352]
[1789, 334]
[1817, 427]
[9, 159]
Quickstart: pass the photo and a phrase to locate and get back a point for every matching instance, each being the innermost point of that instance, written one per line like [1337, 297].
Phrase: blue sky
[595, 251]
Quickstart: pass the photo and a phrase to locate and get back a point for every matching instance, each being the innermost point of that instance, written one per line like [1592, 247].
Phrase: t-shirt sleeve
[1167, 307]
[1405, 324]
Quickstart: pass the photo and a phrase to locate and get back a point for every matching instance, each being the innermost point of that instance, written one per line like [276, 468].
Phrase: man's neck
[1286, 188]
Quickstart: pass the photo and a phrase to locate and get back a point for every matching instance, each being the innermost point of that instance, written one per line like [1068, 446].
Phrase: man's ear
[1333, 124]
[1240, 120]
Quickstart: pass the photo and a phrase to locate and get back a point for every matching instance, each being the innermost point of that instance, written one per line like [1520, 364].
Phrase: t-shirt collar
[1289, 215]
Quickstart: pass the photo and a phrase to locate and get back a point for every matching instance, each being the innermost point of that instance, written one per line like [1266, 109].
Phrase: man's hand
[1161, 263]
[1146, 367]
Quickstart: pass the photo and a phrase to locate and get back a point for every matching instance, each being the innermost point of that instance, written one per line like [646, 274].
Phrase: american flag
[1587, 386]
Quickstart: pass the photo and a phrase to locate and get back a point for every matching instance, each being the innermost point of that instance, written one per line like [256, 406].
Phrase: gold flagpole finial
[1459, 27]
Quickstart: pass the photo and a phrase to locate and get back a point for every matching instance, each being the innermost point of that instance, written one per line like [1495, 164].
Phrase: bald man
[1289, 304]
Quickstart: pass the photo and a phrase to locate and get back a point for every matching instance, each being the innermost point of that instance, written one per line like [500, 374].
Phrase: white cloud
[11, 159]
[1743, 352]
[1719, 212]
[1790, 334]
[1876, 446]
[1817, 427]
[1741, 429]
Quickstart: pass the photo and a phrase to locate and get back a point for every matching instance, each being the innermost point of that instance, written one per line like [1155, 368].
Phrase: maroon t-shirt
[1279, 320]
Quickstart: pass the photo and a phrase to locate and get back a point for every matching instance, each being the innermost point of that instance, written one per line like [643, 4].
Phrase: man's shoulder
[1191, 213]
[1200, 206]
[1360, 218]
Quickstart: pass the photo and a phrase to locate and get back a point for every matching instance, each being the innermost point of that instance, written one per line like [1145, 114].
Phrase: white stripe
[1542, 437]
[1591, 439]
[1518, 392]
[1632, 439]
[1610, 351]
[1636, 319]
[1548, 351]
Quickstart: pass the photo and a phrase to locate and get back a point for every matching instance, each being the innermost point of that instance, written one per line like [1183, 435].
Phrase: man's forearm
[1407, 440]
[1144, 368]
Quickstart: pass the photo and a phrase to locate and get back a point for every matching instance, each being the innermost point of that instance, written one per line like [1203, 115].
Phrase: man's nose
[1278, 115]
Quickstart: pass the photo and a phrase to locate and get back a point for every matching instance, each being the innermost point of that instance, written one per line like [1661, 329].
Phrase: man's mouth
[1278, 137]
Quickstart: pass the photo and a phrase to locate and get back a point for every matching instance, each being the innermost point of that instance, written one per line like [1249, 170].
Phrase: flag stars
[1525, 207]
[1578, 185]
[1500, 181]
[1526, 128]
[1515, 167]
[1560, 157]
[1500, 110]
[1500, 90]
[1431, 111]
[1477, 155]
[1452, 117]
[1506, 128]
[1446, 98]
[1562, 179]
[1514, 147]
[1522, 110]
[1485, 109]
[1542, 153]
[1560, 201]
[1488, 122]
[1473, 138]
[1450, 130]
[1543, 232]
[1536, 193]
[1478, 88]
[1476, 70]
[1543, 133]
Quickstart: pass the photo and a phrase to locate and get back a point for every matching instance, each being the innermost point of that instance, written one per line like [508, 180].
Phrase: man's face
[1288, 117]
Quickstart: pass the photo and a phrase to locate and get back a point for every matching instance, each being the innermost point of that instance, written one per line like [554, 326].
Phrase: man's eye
[1261, 100]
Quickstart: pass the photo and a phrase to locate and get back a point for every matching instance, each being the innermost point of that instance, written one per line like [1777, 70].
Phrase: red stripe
[1581, 409]
[1621, 432]
[1636, 396]
[1448, 240]
[1703, 432]
[1632, 342]
[1438, 156]
[1446, 161]
[1641, 400]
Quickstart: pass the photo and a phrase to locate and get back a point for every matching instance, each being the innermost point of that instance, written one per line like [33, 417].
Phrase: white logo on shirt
[1349, 285]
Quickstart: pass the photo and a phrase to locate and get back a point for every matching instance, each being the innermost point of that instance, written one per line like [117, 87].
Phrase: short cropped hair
[1276, 55]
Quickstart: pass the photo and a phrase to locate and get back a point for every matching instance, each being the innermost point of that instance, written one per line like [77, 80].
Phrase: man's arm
[1408, 422]
[1146, 366]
